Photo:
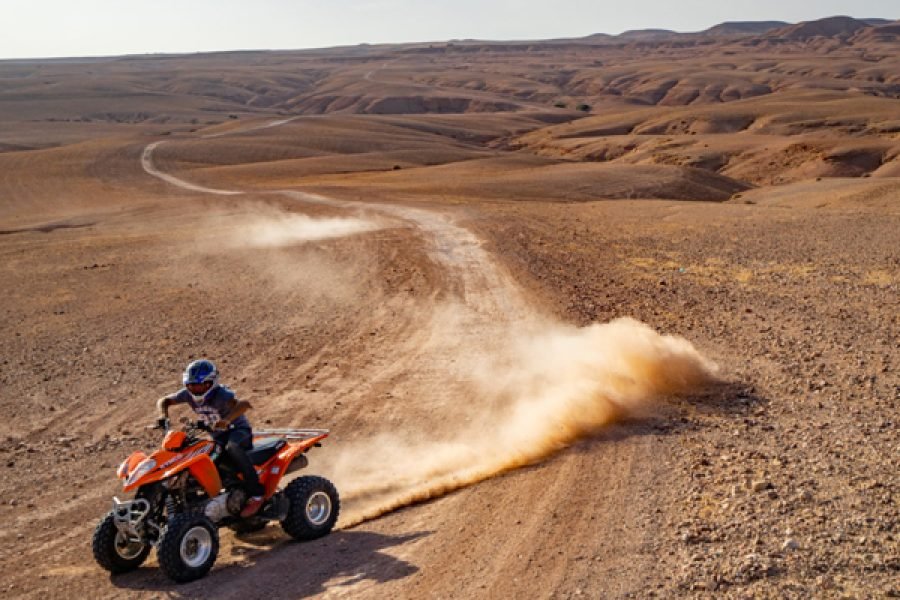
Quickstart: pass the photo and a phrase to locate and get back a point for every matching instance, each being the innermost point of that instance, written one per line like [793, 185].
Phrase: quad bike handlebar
[199, 425]
[166, 426]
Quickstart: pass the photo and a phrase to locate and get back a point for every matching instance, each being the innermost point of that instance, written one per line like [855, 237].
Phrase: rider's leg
[235, 448]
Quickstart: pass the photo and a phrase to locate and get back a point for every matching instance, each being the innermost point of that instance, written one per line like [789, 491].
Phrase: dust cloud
[274, 230]
[280, 247]
[544, 387]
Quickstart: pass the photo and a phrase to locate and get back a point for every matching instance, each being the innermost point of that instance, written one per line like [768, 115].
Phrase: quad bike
[187, 489]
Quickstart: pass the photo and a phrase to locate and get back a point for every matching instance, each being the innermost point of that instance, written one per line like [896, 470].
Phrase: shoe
[254, 503]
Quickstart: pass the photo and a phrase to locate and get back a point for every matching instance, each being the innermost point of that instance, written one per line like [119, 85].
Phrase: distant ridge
[597, 37]
[744, 27]
[837, 26]
[877, 22]
[647, 34]
[828, 27]
[887, 33]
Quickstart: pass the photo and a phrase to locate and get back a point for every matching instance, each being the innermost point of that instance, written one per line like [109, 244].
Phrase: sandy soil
[433, 288]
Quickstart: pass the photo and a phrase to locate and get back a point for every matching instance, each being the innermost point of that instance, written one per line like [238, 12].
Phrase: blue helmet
[198, 373]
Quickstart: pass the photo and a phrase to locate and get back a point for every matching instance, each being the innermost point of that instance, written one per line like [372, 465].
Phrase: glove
[221, 425]
[162, 423]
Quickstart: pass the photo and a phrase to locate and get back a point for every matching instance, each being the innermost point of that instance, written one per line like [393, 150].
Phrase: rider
[218, 407]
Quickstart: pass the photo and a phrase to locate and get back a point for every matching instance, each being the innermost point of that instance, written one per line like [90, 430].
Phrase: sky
[66, 28]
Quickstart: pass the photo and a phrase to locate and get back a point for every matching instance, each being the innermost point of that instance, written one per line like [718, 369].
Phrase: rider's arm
[236, 408]
[163, 404]
[162, 407]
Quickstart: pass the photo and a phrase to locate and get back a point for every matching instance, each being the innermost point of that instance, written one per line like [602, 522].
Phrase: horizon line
[179, 53]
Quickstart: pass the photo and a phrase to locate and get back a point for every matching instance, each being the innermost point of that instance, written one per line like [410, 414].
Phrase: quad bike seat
[265, 449]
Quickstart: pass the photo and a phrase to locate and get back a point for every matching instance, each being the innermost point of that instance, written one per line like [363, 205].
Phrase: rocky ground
[778, 482]
[786, 478]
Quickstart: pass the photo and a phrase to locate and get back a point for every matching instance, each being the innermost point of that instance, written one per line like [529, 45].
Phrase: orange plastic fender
[129, 464]
[201, 466]
[205, 472]
[174, 441]
[271, 473]
[154, 474]
[169, 464]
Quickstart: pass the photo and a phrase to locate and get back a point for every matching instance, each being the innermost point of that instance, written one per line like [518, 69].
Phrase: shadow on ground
[735, 400]
[287, 569]
[676, 415]
[726, 397]
[51, 227]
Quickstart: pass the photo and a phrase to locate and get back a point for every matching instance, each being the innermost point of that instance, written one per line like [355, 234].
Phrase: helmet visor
[198, 389]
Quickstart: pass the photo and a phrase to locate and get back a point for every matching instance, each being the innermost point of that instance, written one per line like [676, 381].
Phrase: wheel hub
[126, 547]
[318, 508]
[196, 546]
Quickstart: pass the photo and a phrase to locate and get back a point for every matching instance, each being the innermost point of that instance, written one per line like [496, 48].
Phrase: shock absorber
[171, 505]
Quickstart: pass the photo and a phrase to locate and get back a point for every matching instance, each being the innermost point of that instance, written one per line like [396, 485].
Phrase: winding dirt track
[407, 339]
[474, 302]
[475, 306]
[532, 532]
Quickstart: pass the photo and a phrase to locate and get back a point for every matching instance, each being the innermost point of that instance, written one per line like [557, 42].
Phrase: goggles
[198, 389]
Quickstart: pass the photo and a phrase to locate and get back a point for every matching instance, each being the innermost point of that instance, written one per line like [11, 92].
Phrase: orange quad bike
[187, 489]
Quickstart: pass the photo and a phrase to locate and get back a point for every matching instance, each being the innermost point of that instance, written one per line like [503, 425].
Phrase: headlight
[142, 469]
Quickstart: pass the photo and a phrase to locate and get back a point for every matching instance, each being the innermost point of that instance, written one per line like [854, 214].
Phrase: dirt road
[481, 328]
[414, 362]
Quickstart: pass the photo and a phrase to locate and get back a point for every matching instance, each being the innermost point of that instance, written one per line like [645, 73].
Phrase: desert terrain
[610, 317]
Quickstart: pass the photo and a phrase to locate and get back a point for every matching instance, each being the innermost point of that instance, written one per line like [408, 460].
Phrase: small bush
[584, 107]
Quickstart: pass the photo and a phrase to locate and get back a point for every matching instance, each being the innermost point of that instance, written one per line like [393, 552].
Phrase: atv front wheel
[188, 547]
[314, 507]
[114, 551]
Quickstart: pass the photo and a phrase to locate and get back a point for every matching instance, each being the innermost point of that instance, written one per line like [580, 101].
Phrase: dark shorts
[242, 437]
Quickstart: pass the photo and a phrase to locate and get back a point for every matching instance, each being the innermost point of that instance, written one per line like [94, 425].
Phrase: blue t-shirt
[215, 406]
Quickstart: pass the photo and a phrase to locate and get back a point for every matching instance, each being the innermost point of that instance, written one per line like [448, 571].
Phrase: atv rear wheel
[114, 551]
[314, 508]
[188, 547]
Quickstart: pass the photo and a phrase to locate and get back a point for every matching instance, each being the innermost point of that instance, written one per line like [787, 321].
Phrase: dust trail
[287, 228]
[548, 386]
[525, 385]
[508, 385]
